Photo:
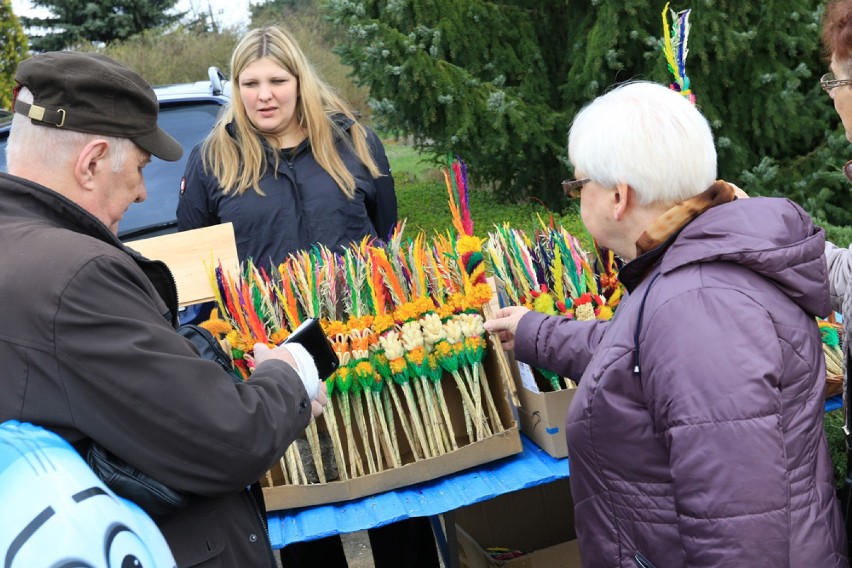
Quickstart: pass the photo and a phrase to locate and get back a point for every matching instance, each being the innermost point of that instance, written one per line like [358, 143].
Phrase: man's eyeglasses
[828, 82]
[572, 187]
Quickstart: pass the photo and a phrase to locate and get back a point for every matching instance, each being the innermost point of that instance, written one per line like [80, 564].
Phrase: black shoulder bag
[126, 481]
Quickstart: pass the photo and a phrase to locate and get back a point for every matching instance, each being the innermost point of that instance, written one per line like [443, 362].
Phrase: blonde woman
[287, 163]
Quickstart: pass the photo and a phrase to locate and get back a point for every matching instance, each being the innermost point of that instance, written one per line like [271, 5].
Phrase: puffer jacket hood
[785, 247]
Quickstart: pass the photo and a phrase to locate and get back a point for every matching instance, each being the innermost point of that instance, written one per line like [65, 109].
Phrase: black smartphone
[310, 335]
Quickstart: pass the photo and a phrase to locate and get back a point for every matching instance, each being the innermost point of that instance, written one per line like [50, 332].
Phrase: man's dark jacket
[90, 351]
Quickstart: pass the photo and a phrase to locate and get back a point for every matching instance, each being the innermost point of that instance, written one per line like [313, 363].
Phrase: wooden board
[190, 254]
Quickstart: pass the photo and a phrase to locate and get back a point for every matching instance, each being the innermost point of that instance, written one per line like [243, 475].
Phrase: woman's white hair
[647, 136]
[53, 147]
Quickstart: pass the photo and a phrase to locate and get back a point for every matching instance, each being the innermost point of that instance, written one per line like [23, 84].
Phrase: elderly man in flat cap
[88, 340]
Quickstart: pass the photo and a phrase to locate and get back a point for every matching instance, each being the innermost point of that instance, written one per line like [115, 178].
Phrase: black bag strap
[209, 347]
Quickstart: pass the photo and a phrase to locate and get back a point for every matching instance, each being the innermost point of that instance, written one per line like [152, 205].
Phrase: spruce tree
[75, 21]
[13, 48]
[498, 82]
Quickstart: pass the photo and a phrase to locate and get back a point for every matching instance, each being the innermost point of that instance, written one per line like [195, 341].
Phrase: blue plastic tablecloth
[532, 466]
[834, 403]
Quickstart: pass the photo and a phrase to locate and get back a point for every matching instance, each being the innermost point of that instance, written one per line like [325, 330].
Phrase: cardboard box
[190, 255]
[279, 494]
[538, 522]
[542, 414]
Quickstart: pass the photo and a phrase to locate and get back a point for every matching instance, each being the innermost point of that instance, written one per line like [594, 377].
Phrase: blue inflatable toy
[54, 512]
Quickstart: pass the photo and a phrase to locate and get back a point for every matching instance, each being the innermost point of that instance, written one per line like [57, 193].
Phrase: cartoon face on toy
[56, 513]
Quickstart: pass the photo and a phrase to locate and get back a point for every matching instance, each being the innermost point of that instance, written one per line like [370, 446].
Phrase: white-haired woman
[696, 435]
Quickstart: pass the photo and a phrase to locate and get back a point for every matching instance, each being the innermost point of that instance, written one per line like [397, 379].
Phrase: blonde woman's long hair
[239, 161]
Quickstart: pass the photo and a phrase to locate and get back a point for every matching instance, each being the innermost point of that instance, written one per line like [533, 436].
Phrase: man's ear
[622, 200]
[92, 161]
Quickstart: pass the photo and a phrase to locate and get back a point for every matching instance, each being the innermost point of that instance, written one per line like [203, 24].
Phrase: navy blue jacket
[302, 204]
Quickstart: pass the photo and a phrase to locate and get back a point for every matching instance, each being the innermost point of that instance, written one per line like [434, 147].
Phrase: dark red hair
[837, 30]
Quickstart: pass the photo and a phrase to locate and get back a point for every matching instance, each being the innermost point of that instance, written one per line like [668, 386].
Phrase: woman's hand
[297, 357]
[505, 324]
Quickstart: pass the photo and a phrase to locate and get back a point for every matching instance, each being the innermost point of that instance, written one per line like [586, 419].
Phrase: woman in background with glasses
[837, 43]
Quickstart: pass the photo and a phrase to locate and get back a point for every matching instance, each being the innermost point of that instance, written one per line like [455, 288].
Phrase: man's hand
[297, 357]
[505, 324]
[264, 353]
[320, 402]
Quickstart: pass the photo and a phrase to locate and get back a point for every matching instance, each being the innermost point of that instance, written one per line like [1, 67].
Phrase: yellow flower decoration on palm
[237, 341]
[382, 323]
[217, 326]
[424, 304]
[279, 335]
[432, 360]
[333, 328]
[469, 243]
[381, 358]
[445, 310]
[444, 349]
[363, 368]
[407, 312]
[416, 355]
[398, 365]
[360, 323]
[604, 313]
[481, 294]
[458, 301]
[545, 304]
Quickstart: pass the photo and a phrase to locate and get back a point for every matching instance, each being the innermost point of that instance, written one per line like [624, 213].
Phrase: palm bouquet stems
[468, 256]
[394, 349]
[355, 272]
[252, 308]
[433, 333]
[409, 261]
[382, 323]
[310, 279]
[415, 354]
[426, 332]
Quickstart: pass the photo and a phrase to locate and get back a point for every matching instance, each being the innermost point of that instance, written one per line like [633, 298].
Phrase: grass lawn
[422, 196]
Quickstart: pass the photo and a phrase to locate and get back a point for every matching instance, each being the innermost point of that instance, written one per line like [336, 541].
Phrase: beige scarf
[678, 216]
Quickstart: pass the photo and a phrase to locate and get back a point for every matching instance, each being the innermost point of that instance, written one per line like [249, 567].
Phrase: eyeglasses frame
[829, 84]
[572, 187]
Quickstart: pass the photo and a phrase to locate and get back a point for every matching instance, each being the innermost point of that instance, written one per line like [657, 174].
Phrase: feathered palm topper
[675, 49]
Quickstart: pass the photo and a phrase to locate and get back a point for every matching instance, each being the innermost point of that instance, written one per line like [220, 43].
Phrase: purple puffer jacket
[696, 434]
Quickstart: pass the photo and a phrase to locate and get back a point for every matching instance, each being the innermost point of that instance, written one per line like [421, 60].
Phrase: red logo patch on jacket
[182, 185]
